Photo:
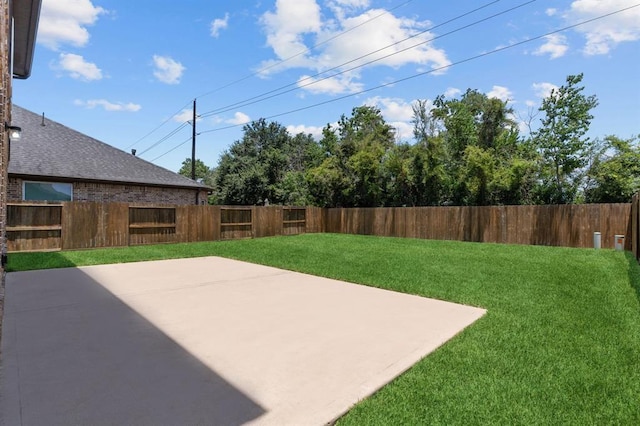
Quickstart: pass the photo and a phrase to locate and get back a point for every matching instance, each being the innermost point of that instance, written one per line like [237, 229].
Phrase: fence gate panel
[34, 227]
[152, 225]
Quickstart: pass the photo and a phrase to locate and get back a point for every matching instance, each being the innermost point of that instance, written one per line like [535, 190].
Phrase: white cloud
[219, 24]
[239, 118]
[543, 90]
[340, 84]
[555, 46]
[287, 26]
[314, 131]
[403, 130]
[343, 37]
[392, 109]
[78, 68]
[452, 92]
[108, 106]
[184, 116]
[552, 11]
[167, 70]
[500, 92]
[605, 34]
[65, 22]
[343, 7]
[352, 3]
[386, 30]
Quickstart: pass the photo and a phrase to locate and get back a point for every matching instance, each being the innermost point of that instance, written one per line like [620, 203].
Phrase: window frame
[25, 182]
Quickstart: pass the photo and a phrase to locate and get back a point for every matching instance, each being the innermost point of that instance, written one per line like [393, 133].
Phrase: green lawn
[560, 343]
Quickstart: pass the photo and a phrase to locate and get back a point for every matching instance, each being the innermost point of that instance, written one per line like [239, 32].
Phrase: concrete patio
[205, 341]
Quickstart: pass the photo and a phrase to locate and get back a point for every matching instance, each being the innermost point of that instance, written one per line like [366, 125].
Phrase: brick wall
[5, 117]
[101, 192]
[5, 114]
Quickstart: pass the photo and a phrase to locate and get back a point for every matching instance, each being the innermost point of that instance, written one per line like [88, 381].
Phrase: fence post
[635, 228]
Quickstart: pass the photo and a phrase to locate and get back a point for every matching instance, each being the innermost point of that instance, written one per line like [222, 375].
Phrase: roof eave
[71, 179]
[25, 23]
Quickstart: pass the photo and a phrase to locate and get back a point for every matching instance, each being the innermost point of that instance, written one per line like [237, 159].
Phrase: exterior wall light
[15, 132]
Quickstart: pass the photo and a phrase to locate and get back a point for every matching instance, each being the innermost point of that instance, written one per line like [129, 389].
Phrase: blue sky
[126, 73]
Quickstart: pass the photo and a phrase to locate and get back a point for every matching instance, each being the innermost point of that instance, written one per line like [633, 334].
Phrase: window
[47, 191]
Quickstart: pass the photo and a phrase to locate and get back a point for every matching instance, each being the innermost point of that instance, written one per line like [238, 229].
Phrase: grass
[560, 343]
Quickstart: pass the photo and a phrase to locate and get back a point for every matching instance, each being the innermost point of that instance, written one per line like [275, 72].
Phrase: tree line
[466, 151]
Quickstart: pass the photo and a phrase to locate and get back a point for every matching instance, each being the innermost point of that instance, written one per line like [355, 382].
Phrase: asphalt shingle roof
[56, 151]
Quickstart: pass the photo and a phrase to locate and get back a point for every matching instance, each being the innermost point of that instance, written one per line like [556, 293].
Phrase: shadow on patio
[73, 353]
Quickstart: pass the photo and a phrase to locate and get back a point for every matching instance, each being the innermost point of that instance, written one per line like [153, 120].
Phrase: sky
[127, 73]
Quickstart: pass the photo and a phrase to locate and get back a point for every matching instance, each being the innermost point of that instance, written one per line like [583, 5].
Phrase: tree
[352, 172]
[561, 140]
[614, 175]
[483, 159]
[267, 164]
[459, 120]
[204, 174]
[327, 183]
[249, 170]
[426, 170]
[398, 189]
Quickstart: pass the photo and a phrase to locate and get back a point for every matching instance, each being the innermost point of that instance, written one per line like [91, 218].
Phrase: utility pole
[193, 151]
[193, 143]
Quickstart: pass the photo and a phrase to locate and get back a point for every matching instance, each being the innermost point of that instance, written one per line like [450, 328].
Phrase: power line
[280, 62]
[278, 92]
[160, 125]
[172, 149]
[500, 49]
[260, 71]
[497, 50]
[182, 126]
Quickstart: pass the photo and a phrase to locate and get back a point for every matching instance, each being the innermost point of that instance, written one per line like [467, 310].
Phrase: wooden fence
[556, 225]
[635, 226]
[81, 225]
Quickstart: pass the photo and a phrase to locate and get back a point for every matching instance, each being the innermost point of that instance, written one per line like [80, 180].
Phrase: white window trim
[24, 182]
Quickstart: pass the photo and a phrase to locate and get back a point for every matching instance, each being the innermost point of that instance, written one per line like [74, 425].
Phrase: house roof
[54, 151]
[25, 17]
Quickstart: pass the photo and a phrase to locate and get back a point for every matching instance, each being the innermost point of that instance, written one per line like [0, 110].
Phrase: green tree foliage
[484, 161]
[561, 141]
[427, 175]
[614, 175]
[266, 164]
[397, 176]
[352, 172]
[204, 174]
[467, 151]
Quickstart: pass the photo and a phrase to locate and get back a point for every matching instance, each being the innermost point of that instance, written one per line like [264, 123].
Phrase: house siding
[109, 193]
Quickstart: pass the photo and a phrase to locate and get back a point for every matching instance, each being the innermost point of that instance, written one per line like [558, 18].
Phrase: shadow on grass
[38, 260]
[634, 272]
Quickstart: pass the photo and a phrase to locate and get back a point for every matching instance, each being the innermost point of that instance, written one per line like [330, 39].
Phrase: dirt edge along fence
[83, 225]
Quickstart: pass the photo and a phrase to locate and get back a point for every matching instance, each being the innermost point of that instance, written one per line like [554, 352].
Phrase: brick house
[55, 163]
[18, 28]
